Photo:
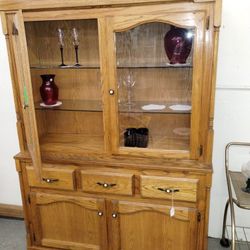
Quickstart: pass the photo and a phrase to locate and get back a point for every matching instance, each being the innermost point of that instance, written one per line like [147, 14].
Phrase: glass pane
[66, 54]
[154, 78]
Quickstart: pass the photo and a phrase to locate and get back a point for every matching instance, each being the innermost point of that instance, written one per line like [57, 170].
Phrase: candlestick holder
[61, 44]
[76, 44]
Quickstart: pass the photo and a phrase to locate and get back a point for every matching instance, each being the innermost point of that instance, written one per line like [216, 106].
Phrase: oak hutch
[124, 161]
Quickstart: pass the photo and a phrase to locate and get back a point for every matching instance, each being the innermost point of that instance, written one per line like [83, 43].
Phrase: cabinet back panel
[44, 48]
[75, 84]
[166, 131]
[157, 85]
[62, 122]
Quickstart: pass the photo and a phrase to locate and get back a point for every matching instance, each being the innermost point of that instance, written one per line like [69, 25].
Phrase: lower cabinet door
[142, 226]
[69, 222]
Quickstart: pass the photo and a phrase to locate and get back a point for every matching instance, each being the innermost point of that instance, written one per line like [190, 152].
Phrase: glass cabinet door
[66, 82]
[158, 87]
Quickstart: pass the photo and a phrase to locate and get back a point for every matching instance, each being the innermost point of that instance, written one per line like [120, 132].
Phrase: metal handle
[49, 180]
[114, 215]
[14, 30]
[100, 214]
[111, 92]
[25, 97]
[106, 185]
[169, 190]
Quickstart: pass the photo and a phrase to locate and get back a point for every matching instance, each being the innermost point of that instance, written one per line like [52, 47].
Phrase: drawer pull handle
[168, 190]
[49, 180]
[106, 185]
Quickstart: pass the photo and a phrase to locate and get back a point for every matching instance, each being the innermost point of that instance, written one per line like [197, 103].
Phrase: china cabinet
[115, 147]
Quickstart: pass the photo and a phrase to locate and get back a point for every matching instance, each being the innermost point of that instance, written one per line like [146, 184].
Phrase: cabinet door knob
[114, 215]
[49, 180]
[100, 214]
[111, 92]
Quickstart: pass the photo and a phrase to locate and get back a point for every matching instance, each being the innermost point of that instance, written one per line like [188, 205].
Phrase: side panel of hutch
[123, 158]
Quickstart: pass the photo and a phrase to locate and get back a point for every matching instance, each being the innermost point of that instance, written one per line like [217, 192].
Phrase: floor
[12, 234]
[12, 237]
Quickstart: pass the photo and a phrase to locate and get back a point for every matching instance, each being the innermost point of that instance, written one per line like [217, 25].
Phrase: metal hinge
[34, 236]
[208, 23]
[14, 30]
[199, 217]
[201, 150]
[28, 198]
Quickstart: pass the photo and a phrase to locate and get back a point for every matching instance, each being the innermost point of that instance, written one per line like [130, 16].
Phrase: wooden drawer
[162, 187]
[53, 177]
[107, 182]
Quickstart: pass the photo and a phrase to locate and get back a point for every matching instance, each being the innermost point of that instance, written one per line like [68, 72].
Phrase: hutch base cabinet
[114, 103]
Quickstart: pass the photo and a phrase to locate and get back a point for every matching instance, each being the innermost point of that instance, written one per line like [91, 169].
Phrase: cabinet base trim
[12, 211]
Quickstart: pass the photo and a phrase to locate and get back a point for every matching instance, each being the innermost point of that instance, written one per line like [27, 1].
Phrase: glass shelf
[64, 67]
[96, 106]
[75, 105]
[145, 66]
[136, 107]
[161, 66]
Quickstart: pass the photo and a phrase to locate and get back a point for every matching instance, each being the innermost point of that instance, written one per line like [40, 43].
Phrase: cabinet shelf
[137, 108]
[96, 106]
[64, 67]
[75, 105]
[76, 143]
[164, 143]
[79, 143]
[170, 143]
[145, 66]
[161, 66]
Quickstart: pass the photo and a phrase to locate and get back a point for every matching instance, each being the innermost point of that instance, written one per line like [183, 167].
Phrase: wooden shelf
[79, 143]
[96, 106]
[165, 143]
[75, 143]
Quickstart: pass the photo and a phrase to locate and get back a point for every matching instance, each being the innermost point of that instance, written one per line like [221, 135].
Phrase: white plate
[59, 103]
[182, 131]
[153, 107]
[180, 107]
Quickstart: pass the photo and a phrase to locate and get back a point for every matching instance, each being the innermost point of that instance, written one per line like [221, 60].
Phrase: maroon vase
[49, 90]
[178, 44]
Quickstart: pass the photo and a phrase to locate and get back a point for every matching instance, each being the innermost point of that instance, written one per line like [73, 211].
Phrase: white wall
[232, 104]
[232, 110]
[9, 187]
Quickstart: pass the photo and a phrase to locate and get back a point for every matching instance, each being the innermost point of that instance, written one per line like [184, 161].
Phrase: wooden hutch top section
[45, 4]
[29, 5]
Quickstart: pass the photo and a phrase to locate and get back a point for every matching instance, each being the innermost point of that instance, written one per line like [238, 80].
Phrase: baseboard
[11, 211]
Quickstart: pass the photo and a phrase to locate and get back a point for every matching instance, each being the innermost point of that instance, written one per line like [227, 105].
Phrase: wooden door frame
[116, 207]
[184, 19]
[96, 204]
[14, 29]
